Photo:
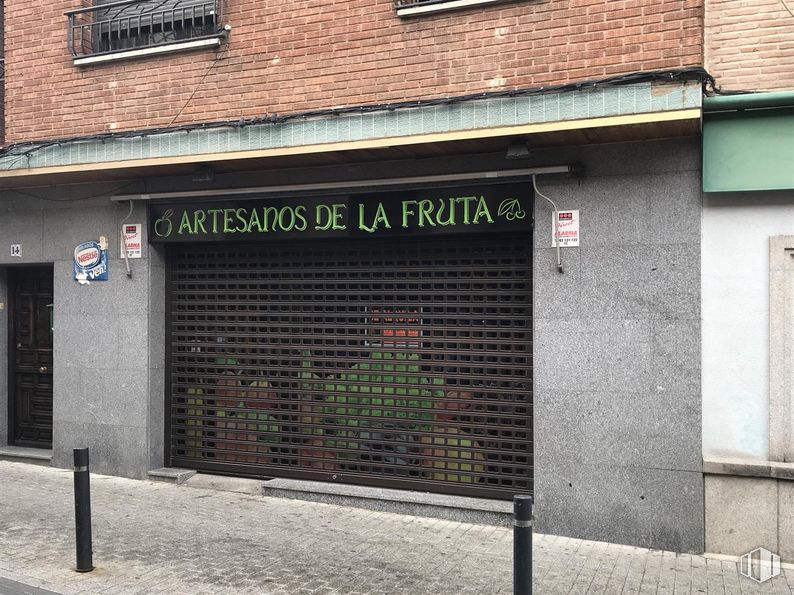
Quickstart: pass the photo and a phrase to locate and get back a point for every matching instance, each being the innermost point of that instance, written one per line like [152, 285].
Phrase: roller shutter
[401, 363]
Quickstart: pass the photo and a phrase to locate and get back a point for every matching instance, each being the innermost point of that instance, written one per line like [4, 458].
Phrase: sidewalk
[159, 538]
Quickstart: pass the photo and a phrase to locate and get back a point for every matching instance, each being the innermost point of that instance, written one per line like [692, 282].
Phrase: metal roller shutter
[401, 363]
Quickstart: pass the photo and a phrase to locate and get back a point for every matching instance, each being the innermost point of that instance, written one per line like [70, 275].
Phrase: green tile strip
[632, 99]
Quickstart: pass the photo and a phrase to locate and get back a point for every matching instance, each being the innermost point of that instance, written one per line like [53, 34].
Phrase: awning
[748, 142]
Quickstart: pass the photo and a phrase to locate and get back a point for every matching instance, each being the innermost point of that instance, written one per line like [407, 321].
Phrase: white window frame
[442, 6]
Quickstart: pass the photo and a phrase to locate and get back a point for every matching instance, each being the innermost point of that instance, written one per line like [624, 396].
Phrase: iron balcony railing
[107, 27]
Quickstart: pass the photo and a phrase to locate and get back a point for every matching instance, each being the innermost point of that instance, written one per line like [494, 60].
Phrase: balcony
[135, 28]
[409, 8]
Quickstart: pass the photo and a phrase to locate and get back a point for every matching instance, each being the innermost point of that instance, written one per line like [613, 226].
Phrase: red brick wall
[750, 44]
[2, 83]
[305, 54]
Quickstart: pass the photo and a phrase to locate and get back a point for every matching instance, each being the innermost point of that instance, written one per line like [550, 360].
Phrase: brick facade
[750, 44]
[2, 78]
[288, 57]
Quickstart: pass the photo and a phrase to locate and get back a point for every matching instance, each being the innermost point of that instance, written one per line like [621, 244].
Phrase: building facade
[339, 262]
[748, 222]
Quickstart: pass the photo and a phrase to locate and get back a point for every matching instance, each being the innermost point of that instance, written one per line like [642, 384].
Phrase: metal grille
[402, 364]
[104, 26]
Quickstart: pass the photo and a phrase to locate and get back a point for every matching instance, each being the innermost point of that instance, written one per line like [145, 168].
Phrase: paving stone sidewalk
[159, 538]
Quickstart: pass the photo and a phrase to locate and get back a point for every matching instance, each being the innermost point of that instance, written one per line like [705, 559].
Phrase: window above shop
[106, 30]
[410, 8]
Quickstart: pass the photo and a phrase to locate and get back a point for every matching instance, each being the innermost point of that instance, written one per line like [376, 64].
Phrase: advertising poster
[90, 262]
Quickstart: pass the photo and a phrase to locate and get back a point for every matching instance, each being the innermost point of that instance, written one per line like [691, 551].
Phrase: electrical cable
[124, 240]
[556, 222]
[27, 148]
[212, 65]
[73, 199]
[788, 10]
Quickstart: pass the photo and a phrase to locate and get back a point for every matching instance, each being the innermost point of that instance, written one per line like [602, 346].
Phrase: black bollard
[522, 545]
[82, 511]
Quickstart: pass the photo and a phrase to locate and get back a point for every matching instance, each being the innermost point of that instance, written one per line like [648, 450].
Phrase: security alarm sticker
[132, 237]
[567, 229]
[90, 262]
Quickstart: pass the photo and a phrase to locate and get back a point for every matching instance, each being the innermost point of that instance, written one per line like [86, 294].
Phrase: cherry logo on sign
[510, 209]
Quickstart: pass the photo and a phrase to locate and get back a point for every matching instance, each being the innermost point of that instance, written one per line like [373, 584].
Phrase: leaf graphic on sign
[511, 209]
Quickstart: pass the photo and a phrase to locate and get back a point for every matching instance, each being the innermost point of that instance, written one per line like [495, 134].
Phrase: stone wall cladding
[617, 409]
[4, 419]
[750, 45]
[105, 382]
[290, 57]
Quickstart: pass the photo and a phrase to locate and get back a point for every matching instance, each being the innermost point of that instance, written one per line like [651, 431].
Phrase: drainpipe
[124, 240]
[556, 223]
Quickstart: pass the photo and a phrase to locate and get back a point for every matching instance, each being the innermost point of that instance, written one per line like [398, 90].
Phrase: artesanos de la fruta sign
[498, 207]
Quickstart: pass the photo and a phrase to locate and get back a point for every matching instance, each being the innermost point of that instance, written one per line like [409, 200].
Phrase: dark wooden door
[31, 357]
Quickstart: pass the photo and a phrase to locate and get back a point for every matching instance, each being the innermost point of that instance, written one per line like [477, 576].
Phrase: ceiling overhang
[600, 115]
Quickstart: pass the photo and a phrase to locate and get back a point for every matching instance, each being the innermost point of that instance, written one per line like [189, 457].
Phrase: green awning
[748, 142]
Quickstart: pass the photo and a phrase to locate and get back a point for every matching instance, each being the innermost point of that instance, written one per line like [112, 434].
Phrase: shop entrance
[401, 363]
[30, 369]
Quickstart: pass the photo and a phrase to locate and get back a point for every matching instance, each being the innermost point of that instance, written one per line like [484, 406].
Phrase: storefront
[387, 313]
[381, 338]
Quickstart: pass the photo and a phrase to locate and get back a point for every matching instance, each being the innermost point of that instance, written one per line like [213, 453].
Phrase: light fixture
[517, 149]
[349, 185]
[205, 173]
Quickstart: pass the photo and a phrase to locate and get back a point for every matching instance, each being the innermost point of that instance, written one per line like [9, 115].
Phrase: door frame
[11, 284]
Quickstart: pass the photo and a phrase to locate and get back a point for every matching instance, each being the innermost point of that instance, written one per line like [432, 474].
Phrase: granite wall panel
[617, 351]
[3, 359]
[101, 336]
